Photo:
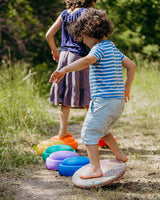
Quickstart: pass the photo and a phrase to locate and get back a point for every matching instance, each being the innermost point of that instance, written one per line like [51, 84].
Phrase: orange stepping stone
[68, 140]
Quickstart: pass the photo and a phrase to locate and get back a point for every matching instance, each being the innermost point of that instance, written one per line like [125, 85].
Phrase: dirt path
[39, 183]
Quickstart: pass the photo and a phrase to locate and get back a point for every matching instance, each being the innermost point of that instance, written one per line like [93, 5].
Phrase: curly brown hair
[92, 23]
[79, 3]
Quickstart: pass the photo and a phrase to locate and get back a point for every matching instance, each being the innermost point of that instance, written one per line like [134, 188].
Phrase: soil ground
[141, 180]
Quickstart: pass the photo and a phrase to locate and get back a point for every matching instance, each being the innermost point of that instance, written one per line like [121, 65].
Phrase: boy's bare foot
[121, 157]
[61, 136]
[90, 173]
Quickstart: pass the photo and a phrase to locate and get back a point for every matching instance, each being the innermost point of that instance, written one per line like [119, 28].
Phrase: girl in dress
[73, 90]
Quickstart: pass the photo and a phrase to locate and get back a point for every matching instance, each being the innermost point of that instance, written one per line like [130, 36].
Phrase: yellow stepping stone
[42, 146]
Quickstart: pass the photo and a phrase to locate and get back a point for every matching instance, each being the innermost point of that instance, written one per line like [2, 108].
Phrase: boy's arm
[49, 35]
[131, 67]
[79, 64]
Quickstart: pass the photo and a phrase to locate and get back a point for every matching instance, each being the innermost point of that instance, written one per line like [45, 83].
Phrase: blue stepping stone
[70, 165]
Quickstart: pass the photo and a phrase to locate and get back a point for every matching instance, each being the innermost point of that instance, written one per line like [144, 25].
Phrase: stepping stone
[54, 148]
[68, 140]
[112, 170]
[42, 146]
[102, 143]
[53, 161]
[70, 165]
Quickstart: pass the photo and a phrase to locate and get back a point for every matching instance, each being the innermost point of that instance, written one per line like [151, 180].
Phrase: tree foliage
[136, 24]
[23, 25]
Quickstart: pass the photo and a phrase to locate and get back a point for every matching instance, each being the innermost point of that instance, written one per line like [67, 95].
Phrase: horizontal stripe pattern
[106, 76]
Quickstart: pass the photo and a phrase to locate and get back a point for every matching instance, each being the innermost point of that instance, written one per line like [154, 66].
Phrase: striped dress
[106, 76]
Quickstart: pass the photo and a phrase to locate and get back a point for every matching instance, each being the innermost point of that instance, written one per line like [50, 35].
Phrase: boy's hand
[127, 95]
[55, 55]
[57, 76]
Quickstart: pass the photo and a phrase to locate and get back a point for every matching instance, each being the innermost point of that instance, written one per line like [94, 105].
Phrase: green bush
[151, 50]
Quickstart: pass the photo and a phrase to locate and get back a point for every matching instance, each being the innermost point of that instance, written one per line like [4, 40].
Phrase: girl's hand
[55, 55]
[57, 76]
[127, 95]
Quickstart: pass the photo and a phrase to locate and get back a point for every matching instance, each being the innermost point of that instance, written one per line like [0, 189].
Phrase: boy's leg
[63, 121]
[95, 169]
[110, 141]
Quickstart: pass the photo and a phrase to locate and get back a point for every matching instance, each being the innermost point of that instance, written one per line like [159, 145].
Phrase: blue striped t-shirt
[106, 76]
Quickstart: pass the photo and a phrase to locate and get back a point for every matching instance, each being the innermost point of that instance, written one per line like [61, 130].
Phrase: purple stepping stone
[53, 161]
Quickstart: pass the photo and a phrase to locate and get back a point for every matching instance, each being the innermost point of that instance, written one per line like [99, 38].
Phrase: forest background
[23, 25]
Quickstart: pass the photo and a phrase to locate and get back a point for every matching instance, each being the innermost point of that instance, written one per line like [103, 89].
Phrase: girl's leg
[95, 169]
[110, 141]
[63, 121]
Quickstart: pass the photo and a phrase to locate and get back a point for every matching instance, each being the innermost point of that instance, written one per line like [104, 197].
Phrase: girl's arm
[79, 64]
[50, 37]
[131, 67]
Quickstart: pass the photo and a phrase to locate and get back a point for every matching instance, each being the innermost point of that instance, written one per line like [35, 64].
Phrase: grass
[24, 118]
[27, 118]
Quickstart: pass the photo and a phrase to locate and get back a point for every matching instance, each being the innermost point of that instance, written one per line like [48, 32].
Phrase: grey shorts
[101, 116]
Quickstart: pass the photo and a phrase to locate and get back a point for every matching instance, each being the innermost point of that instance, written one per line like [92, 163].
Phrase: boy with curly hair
[108, 92]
